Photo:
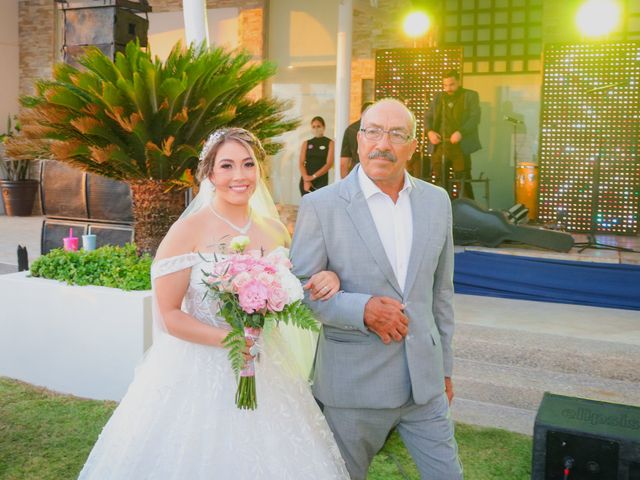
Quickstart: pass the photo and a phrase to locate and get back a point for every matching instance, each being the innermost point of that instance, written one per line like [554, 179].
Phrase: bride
[178, 419]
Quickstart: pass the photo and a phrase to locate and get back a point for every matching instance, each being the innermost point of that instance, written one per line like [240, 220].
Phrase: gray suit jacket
[354, 369]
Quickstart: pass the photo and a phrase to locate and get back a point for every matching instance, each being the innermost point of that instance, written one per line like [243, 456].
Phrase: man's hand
[448, 388]
[456, 137]
[434, 137]
[385, 317]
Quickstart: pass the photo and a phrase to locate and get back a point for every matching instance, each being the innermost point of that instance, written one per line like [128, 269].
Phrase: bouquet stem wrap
[246, 397]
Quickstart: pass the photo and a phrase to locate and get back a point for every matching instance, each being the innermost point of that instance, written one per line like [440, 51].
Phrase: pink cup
[70, 244]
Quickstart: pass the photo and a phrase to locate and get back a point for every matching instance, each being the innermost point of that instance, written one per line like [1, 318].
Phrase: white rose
[290, 284]
[239, 243]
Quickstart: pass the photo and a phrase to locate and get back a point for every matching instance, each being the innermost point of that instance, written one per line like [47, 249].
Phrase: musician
[455, 138]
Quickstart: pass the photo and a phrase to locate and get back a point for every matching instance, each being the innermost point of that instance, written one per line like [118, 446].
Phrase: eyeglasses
[395, 136]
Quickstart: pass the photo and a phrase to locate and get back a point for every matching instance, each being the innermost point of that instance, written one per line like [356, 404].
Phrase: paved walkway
[16, 231]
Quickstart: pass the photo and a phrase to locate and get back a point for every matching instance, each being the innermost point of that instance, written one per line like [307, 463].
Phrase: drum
[527, 187]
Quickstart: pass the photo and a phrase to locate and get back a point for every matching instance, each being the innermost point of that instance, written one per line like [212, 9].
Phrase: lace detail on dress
[165, 266]
[197, 301]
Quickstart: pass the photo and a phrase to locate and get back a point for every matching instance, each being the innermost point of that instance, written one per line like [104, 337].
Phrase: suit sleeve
[472, 114]
[443, 295]
[309, 255]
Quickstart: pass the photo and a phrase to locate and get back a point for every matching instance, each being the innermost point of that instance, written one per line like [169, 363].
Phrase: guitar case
[474, 224]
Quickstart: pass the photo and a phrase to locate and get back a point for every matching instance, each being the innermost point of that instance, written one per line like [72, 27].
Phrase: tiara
[211, 141]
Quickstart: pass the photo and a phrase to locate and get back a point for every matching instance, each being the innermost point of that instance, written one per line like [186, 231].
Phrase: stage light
[416, 24]
[589, 164]
[598, 17]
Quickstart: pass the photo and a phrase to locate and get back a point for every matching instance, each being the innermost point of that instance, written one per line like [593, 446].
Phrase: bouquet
[254, 289]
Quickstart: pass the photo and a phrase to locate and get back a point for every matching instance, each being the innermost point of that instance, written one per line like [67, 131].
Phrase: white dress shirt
[394, 222]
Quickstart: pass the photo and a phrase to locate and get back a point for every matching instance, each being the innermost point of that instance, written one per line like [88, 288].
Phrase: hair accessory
[211, 141]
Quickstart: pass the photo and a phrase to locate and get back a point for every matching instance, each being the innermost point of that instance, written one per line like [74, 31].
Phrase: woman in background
[316, 159]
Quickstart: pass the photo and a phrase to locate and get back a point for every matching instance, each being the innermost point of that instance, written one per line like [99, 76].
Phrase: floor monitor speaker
[576, 438]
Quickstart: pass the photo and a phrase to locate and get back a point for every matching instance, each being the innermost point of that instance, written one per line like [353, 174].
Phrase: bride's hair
[220, 137]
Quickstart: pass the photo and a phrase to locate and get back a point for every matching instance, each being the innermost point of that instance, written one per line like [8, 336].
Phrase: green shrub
[109, 266]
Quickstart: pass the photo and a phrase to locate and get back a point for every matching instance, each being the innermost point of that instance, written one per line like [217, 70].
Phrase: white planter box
[85, 341]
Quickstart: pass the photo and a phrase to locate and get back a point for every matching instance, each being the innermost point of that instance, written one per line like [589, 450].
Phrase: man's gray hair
[412, 117]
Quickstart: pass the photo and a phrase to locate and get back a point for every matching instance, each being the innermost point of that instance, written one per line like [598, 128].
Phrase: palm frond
[137, 117]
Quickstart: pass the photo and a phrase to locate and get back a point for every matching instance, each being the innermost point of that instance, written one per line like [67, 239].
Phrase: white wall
[302, 42]
[167, 28]
[9, 51]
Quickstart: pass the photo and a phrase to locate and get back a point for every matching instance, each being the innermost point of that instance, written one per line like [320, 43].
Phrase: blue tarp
[611, 285]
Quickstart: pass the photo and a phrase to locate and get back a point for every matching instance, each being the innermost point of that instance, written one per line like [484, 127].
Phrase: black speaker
[587, 439]
[108, 25]
[111, 234]
[69, 193]
[53, 231]
[108, 200]
[63, 191]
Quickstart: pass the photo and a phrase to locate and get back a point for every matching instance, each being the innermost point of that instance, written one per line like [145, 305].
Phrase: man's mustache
[383, 154]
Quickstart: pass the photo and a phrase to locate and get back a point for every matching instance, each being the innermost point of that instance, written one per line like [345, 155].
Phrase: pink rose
[277, 299]
[278, 257]
[270, 269]
[240, 279]
[266, 278]
[241, 263]
[253, 296]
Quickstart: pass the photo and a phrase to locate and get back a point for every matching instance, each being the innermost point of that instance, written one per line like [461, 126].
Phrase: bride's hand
[323, 285]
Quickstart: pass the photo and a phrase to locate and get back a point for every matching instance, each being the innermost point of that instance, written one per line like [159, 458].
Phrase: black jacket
[470, 119]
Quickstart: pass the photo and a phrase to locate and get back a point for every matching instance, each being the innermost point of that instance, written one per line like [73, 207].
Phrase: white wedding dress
[178, 419]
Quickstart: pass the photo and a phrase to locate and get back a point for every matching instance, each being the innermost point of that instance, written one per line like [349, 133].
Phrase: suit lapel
[358, 211]
[421, 215]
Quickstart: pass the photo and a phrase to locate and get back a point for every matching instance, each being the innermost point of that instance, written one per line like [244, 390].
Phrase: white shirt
[394, 222]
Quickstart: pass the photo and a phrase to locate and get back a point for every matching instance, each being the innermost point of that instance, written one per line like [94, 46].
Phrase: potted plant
[144, 121]
[18, 191]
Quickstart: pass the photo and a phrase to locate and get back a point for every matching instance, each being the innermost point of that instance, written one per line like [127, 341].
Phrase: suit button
[409, 337]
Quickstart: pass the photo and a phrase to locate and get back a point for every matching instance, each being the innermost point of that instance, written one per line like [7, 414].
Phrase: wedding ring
[324, 289]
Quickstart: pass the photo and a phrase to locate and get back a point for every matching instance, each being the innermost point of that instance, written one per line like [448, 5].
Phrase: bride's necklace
[243, 230]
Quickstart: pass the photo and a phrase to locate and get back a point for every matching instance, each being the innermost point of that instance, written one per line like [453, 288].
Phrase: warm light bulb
[598, 17]
[416, 24]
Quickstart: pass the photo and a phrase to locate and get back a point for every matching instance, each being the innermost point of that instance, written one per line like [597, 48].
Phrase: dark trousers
[454, 161]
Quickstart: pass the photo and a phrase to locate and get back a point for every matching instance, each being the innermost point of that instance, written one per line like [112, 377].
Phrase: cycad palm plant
[144, 121]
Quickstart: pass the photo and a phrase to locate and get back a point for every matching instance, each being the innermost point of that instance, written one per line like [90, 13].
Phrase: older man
[384, 356]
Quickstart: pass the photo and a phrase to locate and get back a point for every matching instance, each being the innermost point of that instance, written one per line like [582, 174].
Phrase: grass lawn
[45, 436]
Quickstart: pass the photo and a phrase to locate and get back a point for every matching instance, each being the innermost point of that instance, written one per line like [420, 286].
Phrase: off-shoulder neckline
[212, 254]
